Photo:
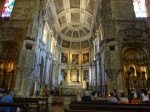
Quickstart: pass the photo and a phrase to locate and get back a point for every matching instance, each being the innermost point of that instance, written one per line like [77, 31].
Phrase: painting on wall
[75, 58]
[85, 58]
[64, 57]
[85, 74]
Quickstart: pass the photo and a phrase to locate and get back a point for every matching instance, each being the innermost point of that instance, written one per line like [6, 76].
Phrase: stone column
[28, 83]
[98, 39]
[44, 70]
[59, 71]
[22, 87]
[17, 85]
[54, 73]
[112, 81]
[68, 74]
[98, 72]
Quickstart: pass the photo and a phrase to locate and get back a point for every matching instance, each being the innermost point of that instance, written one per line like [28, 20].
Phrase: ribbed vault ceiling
[73, 22]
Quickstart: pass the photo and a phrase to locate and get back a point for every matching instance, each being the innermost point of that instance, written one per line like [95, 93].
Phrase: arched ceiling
[73, 22]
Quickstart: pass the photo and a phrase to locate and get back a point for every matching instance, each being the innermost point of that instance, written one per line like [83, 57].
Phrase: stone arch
[134, 62]
[9, 54]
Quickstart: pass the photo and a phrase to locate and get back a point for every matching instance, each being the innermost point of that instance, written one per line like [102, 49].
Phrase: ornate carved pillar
[112, 80]
[17, 85]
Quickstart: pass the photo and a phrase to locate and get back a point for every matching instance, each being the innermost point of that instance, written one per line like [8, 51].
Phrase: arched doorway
[135, 68]
[8, 63]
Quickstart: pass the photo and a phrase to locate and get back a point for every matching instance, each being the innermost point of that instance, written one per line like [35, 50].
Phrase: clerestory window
[7, 9]
[140, 8]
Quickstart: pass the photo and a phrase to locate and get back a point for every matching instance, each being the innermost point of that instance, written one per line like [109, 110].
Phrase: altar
[70, 89]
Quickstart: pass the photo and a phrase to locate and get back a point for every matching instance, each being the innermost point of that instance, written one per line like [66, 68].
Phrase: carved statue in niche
[64, 57]
[132, 70]
[143, 79]
[63, 82]
[85, 75]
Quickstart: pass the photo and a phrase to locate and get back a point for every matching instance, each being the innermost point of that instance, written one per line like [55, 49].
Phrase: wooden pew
[43, 102]
[30, 103]
[69, 110]
[34, 103]
[89, 102]
[112, 107]
[14, 104]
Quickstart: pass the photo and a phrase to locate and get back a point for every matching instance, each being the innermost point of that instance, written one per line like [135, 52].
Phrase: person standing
[45, 91]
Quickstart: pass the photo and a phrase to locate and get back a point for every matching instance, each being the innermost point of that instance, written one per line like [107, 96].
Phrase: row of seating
[93, 106]
[28, 103]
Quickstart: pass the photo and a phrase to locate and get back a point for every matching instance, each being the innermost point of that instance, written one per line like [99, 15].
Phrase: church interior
[74, 45]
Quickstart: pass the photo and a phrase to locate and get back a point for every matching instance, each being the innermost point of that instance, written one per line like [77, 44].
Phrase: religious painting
[74, 75]
[75, 58]
[85, 75]
[64, 57]
[85, 58]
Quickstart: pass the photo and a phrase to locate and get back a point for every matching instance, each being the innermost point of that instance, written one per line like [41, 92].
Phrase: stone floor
[56, 109]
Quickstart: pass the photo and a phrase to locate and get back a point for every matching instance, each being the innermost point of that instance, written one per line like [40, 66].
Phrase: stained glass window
[140, 8]
[8, 7]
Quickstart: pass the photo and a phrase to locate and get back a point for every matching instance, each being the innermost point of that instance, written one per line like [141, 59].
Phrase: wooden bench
[14, 104]
[30, 103]
[58, 100]
[43, 102]
[112, 107]
[89, 102]
[69, 110]
[34, 103]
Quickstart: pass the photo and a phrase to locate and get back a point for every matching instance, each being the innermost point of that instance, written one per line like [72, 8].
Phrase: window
[45, 35]
[140, 8]
[8, 7]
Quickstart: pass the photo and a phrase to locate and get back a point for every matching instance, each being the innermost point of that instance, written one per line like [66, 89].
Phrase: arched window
[8, 7]
[140, 8]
